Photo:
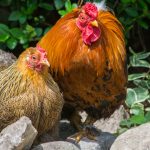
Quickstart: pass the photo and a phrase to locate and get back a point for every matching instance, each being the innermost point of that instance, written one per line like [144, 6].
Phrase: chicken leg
[88, 130]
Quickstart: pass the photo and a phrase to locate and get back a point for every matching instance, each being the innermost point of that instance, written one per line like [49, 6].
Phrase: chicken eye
[34, 57]
[82, 18]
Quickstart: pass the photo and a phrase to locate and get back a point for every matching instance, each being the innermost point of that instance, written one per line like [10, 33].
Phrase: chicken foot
[88, 130]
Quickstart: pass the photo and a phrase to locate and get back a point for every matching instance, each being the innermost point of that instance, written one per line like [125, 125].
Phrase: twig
[80, 2]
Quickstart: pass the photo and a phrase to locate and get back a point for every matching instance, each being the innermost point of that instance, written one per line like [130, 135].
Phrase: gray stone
[106, 125]
[6, 59]
[112, 124]
[137, 138]
[18, 136]
[102, 142]
[57, 145]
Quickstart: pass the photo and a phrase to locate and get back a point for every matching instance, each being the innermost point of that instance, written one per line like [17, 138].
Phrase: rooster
[86, 50]
[27, 89]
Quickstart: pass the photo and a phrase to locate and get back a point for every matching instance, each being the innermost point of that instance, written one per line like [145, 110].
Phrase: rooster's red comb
[91, 10]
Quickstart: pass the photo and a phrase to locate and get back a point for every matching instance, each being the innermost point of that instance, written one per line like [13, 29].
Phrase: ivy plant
[138, 92]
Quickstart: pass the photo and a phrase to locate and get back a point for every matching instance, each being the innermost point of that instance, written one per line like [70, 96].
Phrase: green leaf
[141, 55]
[138, 119]
[14, 16]
[147, 109]
[121, 130]
[147, 116]
[58, 4]
[22, 18]
[135, 76]
[4, 27]
[136, 95]
[131, 97]
[47, 29]
[136, 61]
[143, 5]
[131, 11]
[30, 8]
[46, 6]
[23, 39]
[4, 33]
[143, 24]
[126, 123]
[25, 45]
[62, 12]
[137, 109]
[142, 94]
[38, 31]
[140, 63]
[29, 28]
[142, 83]
[16, 32]
[4, 37]
[74, 5]
[11, 43]
[68, 6]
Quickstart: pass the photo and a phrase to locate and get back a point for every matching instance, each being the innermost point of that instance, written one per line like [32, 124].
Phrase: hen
[27, 89]
[86, 50]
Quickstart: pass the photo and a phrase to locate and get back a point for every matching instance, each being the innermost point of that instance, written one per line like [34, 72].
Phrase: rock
[57, 145]
[103, 142]
[112, 124]
[18, 136]
[137, 138]
[6, 59]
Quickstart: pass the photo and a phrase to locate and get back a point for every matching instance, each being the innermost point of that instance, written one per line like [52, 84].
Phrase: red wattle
[90, 34]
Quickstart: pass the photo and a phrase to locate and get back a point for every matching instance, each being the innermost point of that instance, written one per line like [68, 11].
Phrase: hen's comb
[40, 49]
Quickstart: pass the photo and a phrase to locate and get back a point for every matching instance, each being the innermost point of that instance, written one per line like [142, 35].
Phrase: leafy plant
[135, 16]
[24, 25]
[68, 8]
[138, 94]
[42, 14]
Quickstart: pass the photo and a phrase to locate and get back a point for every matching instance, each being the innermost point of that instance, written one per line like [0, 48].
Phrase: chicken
[86, 50]
[27, 89]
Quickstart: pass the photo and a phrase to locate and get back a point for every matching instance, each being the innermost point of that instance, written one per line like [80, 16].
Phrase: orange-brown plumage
[92, 77]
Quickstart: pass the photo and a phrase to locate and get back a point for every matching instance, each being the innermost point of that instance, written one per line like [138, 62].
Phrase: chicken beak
[94, 23]
[45, 62]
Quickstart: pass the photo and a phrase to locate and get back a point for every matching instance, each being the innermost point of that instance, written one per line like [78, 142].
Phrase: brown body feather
[92, 78]
[26, 92]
